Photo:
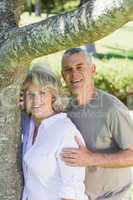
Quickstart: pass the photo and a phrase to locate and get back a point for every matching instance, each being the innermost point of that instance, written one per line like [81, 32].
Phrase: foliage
[116, 79]
[53, 6]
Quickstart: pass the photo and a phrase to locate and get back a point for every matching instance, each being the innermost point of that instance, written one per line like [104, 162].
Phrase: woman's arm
[72, 178]
[67, 199]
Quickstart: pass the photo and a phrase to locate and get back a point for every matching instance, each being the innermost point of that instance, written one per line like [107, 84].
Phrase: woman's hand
[21, 103]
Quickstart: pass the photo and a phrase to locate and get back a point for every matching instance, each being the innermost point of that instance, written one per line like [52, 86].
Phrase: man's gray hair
[77, 50]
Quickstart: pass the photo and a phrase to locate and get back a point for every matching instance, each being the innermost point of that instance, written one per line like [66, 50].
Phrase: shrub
[117, 80]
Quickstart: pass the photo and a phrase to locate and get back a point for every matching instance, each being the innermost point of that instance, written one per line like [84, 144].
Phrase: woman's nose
[36, 99]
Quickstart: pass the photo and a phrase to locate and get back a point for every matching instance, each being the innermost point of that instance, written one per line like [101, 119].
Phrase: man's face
[77, 73]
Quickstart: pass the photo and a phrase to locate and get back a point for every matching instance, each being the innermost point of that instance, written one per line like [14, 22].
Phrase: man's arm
[85, 157]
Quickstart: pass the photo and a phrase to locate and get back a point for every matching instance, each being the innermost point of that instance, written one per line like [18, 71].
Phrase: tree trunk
[10, 173]
[18, 46]
[10, 179]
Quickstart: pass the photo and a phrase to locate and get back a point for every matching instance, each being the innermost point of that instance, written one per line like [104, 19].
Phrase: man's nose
[75, 73]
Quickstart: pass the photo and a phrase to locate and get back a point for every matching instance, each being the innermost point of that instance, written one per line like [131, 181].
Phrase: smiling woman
[42, 93]
[46, 175]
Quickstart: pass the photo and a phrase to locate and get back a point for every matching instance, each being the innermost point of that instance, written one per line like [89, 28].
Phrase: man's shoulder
[111, 102]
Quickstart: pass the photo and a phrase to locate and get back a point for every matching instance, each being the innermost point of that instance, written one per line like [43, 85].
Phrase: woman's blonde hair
[45, 78]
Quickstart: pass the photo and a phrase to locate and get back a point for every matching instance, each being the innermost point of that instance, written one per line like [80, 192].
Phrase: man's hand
[86, 158]
[78, 156]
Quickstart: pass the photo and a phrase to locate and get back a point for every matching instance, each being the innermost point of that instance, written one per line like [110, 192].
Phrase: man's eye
[79, 68]
[68, 70]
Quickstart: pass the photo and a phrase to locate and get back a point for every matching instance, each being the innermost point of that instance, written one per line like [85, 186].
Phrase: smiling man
[77, 74]
[107, 129]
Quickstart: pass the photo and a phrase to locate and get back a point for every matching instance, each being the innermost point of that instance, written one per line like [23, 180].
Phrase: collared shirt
[46, 176]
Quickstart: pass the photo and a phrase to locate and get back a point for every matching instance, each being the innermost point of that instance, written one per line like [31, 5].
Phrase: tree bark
[83, 2]
[10, 11]
[10, 173]
[10, 177]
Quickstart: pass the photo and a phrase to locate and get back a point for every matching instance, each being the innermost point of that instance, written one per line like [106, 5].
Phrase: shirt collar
[50, 120]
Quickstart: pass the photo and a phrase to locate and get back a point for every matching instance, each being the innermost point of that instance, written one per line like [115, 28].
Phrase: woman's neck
[39, 120]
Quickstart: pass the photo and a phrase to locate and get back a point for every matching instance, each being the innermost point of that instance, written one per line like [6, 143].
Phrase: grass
[119, 41]
[68, 6]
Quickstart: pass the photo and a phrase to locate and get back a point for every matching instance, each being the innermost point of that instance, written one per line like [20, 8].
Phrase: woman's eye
[29, 95]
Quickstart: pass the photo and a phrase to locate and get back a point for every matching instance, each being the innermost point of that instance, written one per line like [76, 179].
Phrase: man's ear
[93, 69]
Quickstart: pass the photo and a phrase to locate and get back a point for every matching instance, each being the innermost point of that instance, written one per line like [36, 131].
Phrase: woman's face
[39, 102]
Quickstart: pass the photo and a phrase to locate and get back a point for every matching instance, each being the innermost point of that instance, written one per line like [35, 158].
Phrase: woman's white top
[47, 177]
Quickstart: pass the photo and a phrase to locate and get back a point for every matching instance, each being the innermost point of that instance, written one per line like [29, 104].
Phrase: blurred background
[113, 55]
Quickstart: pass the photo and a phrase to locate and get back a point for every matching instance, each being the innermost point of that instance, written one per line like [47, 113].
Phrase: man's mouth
[76, 83]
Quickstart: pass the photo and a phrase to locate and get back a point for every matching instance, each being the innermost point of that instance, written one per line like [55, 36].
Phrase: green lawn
[119, 42]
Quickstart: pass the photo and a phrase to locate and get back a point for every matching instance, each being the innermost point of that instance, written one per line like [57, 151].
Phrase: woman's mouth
[36, 109]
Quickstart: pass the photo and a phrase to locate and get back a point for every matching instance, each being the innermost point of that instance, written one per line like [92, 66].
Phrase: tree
[38, 8]
[18, 46]
[83, 2]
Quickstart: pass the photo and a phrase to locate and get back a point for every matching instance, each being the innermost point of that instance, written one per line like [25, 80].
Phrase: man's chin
[75, 92]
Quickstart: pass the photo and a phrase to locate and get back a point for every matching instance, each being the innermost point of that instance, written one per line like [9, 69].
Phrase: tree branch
[87, 24]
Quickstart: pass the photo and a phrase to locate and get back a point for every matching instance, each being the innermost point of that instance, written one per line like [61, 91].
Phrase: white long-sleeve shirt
[47, 177]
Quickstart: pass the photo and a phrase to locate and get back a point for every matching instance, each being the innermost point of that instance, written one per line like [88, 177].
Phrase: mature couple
[85, 154]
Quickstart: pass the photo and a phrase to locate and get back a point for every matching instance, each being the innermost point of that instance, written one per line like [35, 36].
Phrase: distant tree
[38, 7]
[30, 5]
[48, 5]
[82, 2]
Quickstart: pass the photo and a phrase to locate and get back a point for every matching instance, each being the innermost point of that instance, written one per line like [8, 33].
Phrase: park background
[113, 54]
[20, 44]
